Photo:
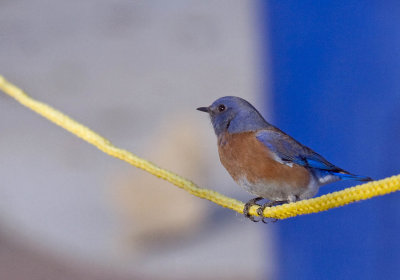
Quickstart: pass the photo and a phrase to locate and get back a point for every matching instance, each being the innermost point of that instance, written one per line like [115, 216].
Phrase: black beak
[204, 109]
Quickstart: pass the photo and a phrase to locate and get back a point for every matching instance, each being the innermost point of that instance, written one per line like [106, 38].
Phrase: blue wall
[336, 87]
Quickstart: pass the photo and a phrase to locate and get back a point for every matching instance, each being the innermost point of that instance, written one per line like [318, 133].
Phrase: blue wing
[291, 151]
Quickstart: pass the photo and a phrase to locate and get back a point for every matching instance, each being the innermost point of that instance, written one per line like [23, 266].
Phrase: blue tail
[348, 176]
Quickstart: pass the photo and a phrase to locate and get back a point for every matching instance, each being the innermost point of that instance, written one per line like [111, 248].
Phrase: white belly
[275, 191]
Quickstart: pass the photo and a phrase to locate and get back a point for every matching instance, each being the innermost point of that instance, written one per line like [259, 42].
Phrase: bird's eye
[221, 108]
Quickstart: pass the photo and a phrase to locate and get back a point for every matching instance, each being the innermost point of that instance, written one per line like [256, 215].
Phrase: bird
[264, 160]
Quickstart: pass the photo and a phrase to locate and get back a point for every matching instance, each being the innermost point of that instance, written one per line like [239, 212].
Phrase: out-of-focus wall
[134, 71]
[336, 88]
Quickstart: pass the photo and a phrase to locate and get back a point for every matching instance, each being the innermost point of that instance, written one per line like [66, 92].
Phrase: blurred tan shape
[152, 211]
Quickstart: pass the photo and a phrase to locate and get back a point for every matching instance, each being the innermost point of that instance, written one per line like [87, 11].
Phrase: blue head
[234, 114]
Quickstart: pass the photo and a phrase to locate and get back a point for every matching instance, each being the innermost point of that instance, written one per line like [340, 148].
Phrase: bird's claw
[247, 207]
[260, 211]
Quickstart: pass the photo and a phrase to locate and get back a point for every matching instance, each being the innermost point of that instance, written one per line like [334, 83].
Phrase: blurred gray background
[134, 71]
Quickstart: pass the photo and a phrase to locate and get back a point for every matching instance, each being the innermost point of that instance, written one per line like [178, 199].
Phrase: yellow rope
[313, 205]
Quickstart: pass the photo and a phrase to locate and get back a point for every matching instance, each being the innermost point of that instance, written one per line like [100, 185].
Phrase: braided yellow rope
[313, 205]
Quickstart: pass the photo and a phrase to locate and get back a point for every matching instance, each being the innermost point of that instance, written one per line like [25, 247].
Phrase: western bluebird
[264, 160]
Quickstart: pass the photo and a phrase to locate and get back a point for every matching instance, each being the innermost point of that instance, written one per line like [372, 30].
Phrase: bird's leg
[247, 206]
[260, 210]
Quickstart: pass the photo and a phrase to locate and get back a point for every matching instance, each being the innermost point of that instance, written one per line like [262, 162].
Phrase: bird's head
[233, 114]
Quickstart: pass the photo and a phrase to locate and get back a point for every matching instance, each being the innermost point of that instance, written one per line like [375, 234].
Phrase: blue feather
[289, 150]
[345, 176]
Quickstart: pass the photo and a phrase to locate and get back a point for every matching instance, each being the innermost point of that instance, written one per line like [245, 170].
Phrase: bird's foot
[247, 207]
[260, 210]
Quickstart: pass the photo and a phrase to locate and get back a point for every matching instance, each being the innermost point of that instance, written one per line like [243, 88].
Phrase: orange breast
[243, 155]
